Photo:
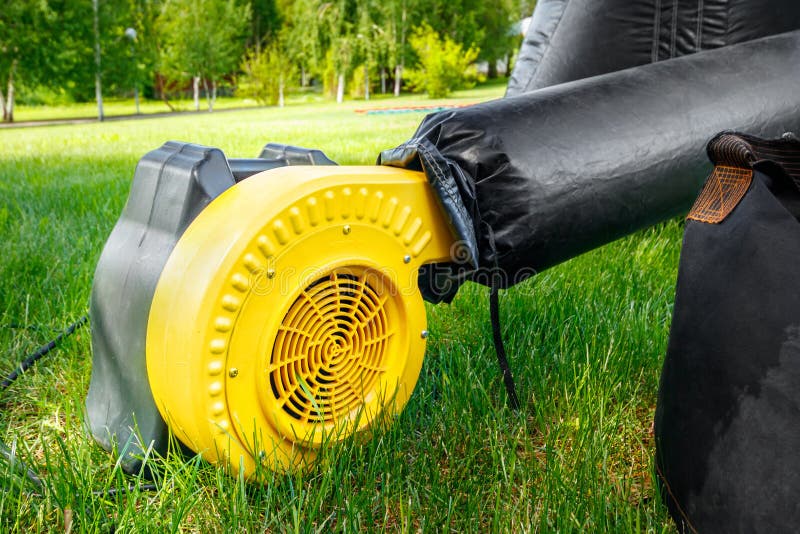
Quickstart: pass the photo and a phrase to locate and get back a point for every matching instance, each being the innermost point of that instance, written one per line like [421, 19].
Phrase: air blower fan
[257, 316]
[257, 308]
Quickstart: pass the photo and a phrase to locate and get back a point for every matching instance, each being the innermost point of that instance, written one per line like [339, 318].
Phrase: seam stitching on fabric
[727, 22]
[674, 500]
[438, 172]
[447, 187]
[699, 38]
[656, 32]
[674, 34]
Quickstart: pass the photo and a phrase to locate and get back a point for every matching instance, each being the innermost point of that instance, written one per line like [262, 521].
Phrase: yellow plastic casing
[289, 315]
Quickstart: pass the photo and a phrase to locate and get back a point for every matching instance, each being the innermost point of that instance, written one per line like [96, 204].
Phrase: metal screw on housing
[406, 259]
[346, 229]
[424, 334]
[233, 373]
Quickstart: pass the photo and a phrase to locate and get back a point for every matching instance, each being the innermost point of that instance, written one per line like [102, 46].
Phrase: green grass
[119, 107]
[115, 107]
[585, 339]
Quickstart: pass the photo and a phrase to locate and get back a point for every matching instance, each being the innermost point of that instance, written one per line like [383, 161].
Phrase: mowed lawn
[586, 341]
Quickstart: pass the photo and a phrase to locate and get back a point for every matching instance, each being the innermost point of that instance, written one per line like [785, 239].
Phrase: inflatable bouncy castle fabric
[727, 423]
[532, 180]
[573, 39]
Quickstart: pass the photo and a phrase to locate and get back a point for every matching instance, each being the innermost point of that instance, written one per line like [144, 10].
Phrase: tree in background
[47, 46]
[73, 47]
[50, 45]
[499, 40]
[302, 29]
[202, 40]
[525, 8]
[268, 72]
[144, 59]
[23, 48]
[265, 23]
[444, 65]
[366, 47]
[339, 19]
[474, 23]
[397, 16]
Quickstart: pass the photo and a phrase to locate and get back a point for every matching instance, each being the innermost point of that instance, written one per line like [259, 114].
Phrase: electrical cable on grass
[111, 492]
[9, 454]
[28, 362]
[497, 335]
[12, 459]
[32, 327]
[5, 451]
[499, 348]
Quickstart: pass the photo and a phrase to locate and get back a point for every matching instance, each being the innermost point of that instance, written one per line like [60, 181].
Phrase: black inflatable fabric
[728, 415]
[532, 180]
[573, 39]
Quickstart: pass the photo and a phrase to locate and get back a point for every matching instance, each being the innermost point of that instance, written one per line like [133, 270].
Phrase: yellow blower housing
[288, 313]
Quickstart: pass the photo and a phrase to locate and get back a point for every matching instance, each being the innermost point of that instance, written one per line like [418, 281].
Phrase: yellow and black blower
[255, 319]
[258, 307]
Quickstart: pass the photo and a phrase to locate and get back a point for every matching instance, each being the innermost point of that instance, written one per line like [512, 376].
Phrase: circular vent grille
[331, 348]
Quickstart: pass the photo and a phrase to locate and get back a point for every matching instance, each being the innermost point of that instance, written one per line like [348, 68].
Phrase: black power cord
[494, 315]
[9, 454]
[28, 362]
[5, 451]
[499, 348]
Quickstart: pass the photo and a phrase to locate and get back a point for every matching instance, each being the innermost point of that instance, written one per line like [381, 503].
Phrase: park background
[60, 52]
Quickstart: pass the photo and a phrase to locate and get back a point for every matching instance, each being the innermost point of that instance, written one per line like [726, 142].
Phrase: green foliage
[303, 29]
[359, 80]
[23, 48]
[525, 7]
[443, 64]
[496, 24]
[203, 38]
[268, 72]
[460, 20]
[265, 22]
[41, 95]
[144, 50]
[339, 20]
[47, 46]
[52, 42]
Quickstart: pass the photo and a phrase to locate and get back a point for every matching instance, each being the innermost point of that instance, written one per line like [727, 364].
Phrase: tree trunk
[492, 74]
[167, 102]
[98, 84]
[210, 93]
[213, 93]
[366, 82]
[303, 77]
[10, 98]
[340, 89]
[162, 91]
[398, 70]
[3, 107]
[281, 101]
[196, 92]
[7, 104]
[383, 80]
[398, 79]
